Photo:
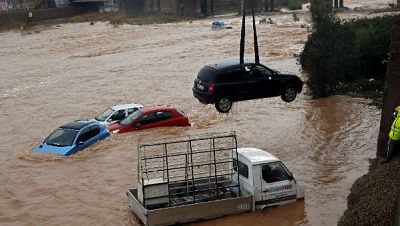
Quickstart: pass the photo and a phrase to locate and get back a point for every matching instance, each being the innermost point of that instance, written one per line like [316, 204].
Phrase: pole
[242, 34]
[256, 56]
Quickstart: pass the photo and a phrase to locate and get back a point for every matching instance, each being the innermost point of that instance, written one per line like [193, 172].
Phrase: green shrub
[294, 4]
[342, 52]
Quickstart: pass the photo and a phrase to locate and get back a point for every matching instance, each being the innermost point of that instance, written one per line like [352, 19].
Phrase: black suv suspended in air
[229, 81]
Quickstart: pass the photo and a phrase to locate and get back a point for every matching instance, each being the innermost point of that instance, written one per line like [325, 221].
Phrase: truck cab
[206, 176]
[266, 178]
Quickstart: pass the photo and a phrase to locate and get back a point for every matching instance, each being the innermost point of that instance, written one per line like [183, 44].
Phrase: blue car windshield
[128, 120]
[61, 137]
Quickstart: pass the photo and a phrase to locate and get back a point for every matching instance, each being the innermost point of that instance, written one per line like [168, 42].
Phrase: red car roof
[157, 108]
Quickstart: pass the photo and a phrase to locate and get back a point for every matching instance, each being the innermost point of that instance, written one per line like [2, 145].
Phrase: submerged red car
[150, 117]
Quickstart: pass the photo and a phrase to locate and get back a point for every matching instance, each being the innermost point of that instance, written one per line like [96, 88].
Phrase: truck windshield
[274, 172]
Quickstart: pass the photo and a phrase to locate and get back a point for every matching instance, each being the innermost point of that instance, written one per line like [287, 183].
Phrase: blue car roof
[77, 124]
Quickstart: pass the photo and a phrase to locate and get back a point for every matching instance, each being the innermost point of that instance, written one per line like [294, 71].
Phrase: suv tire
[223, 105]
[289, 94]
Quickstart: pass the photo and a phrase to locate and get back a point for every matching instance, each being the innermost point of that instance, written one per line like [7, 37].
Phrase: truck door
[277, 184]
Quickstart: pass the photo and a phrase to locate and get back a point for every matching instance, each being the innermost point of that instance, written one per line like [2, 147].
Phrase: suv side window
[237, 75]
[118, 115]
[264, 71]
[259, 72]
[131, 110]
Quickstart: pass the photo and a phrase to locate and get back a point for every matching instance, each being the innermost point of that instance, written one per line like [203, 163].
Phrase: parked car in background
[220, 24]
[225, 82]
[150, 117]
[117, 113]
[73, 137]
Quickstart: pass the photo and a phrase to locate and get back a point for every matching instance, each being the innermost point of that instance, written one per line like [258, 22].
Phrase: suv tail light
[211, 88]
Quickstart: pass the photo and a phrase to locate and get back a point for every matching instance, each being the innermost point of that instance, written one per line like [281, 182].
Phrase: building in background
[179, 7]
[3, 5]
[147, 7]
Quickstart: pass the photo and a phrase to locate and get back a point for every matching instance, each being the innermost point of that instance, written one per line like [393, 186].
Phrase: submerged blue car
[73, 137]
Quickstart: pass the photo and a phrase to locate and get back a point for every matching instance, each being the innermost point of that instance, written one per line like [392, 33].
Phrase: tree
[391, 91]
[320, 55]
[152, 6]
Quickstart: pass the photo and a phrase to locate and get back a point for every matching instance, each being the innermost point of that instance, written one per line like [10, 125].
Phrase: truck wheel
[289, 94]
[223, 105]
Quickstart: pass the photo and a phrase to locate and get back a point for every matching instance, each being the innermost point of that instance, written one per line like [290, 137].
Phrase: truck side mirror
[137, 125]
[80, 143]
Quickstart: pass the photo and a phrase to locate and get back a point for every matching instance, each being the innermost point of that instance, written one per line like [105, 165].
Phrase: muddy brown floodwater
[74, 71]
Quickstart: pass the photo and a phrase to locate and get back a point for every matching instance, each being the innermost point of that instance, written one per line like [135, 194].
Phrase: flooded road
[75, 71]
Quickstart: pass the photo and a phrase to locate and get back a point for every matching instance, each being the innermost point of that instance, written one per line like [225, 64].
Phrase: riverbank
[374, 196]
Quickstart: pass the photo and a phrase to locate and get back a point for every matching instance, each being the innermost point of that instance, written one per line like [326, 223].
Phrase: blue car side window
[84, 135]
[89, 133]
[94, 130]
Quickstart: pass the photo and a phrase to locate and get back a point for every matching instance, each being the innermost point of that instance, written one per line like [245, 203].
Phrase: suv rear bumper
[203, 97]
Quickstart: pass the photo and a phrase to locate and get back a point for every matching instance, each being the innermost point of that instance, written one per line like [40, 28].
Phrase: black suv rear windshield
[207, 74]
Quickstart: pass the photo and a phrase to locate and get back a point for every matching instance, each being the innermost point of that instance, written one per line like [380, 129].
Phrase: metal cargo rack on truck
[190, 170]
[187, 173]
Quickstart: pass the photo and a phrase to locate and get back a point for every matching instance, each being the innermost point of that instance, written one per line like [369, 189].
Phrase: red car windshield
[128, 120]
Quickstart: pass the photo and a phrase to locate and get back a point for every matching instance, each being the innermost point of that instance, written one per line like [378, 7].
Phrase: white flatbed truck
[204, 177]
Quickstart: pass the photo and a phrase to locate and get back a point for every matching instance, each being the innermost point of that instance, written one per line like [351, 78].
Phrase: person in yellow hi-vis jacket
[394, 135]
